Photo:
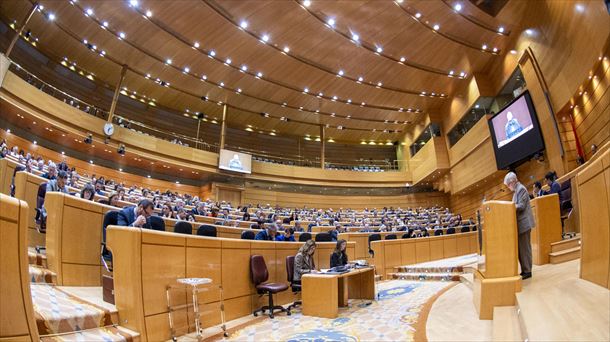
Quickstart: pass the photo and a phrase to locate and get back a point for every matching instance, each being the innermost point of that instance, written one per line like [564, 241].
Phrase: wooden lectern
[497, 280]
[547, 219]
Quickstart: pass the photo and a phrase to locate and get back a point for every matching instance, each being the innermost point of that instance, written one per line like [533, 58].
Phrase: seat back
[247, 235]
[258, 269]
[290, 268]
[42, 192]
[206, 230]
[373, 237]
[406, 235]
[390, 237]
[304, 237]
[183, 227]
[323, 237]
[465, 229]
[255, 226]
[156, 223]
[450, 230]
[439, 232]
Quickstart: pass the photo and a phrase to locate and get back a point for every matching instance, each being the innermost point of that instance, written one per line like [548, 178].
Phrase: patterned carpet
[394, 317]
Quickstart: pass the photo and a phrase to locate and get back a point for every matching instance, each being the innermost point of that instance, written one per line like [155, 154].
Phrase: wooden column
[117, 91]
[20, 30]
[223, 127]
[323, 147]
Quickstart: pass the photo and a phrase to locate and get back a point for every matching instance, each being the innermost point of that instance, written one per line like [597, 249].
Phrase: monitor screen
[515, 132]
[235, 161]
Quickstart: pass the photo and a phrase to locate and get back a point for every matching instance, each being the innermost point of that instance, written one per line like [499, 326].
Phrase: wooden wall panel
[17, 321]
[271, 197]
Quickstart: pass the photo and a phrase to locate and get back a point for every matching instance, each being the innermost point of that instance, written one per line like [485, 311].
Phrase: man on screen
[512, 127]
[235, 163]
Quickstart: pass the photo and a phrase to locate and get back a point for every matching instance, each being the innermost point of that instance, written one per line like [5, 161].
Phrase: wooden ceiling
[393, 91]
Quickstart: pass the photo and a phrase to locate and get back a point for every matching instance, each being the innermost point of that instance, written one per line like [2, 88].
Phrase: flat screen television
[235, 161]
[515, 132]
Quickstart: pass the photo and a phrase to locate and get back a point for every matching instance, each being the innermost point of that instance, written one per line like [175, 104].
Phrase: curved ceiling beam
[434, 28]
[245, 70]
[501, 30]
[239, 91]
[187, 92]
[334, 72]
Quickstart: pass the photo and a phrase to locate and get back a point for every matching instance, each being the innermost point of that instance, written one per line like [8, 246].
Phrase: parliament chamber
[305, 170]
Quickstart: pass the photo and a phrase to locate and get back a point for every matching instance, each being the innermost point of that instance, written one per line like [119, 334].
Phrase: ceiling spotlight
[259, 74]
[529, 32]
[133, 3]
[286, 49]
[320, 94]
[399, 1]
[243, 24]
[265, 38]
[168, 61]
[149, 13]
[222, 84]
[417, 15]
[306, 3]
[228, 61]
[458, 7]
[212, 53]
[501, 29]
[331, 22]
[349, 101]
[239, 90]
[89, 11]
[360, 79]
[436, 27]
[122, 35]
[196, 45]
[105, 24]
[402, 59]
[204, 77]
[334, 98]
[484, 46]
[379, 49]
[451, 73]
[379, 84]
[306, 90]
[51, 16]
[462, 74]
[495, 49]
[340, 73]
[355, 37]
[244, 67]
[187, 69]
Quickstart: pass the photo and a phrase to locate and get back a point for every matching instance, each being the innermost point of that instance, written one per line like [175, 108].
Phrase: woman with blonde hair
[303, 261]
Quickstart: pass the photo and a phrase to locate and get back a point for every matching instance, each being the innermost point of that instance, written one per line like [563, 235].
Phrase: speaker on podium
[497, 279]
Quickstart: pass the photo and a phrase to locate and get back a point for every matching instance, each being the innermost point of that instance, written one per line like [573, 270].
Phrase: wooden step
[565, 255]
[506, 325]
[565, 244]
[109, 333]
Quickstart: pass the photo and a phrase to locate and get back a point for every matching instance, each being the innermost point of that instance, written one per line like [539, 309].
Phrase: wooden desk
[322, 294]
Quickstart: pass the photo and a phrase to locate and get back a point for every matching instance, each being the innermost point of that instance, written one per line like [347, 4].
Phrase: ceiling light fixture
[360, 79]
[168, 61]
[122, 35]
[402, 59]
[228, 61]
[89, 11]
[244, 67]
[286, 49]
[105, 24]
[212, 53]
[458, 7]
[306, 3]
[133, 3]
[379, 49]
[501, 29]
[259, 74]
[149, 13]
[196, 45]
[51, 16]
[265, 38]
[436, 27]
[243, 24]
[417, 15]
[355, 37]
[331, 22]
[340, 73]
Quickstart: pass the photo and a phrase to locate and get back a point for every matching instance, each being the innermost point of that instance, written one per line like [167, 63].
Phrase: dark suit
[127, 217]
[525, 222]
[338, 259]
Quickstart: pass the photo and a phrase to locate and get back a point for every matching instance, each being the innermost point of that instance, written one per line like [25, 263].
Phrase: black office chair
[296, 288]
[110, 219]
[465, 229]
[247, 235]
[323, 237]
[183, 227]
[391, 237]
[406, 236]
[450, 231]
[438, 232]
[373, 237]
[206, 230]
[260, 275]
[156, 223]
[255, 226]
[304, 237]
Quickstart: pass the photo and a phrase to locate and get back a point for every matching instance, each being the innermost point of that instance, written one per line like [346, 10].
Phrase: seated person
[87, 192]
[58, 183]
[51, 172]
[339, 256]
[200, 209]
[537, 192]
[554, 187]
[287, 235]
[136, 216]
[303, 261]
[166, 211]
[268, 233]
[99, 186]
[297, 226]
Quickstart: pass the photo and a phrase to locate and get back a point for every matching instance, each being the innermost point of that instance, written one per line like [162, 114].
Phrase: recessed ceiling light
[122, 35]
[379, 49]
[436, 27]
[495, 49]
[306, 3]
[187, 69]
[212, 53]
[133, 3]
[89, 11]
[196, 44]
[451, 73]
[306, 90]
[51, 16]
[379, 84]
[355, 36]
[458, 7]
[244, 67]
[334, 98]
[105, 24]
[35, 142]
[501, 29]
[168, 61]
[222, 84]
[286, 49]
[243, 24]
[265, 37]
[228, 61]
[331, 22]
[259, 74]
[360, 79]
[149, 13]
[340, 72]
[239, 90]
[417, 15]
[484, 47]
[402, 59]
[529, 32]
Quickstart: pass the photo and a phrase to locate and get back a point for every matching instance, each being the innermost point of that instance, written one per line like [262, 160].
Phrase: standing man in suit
[136, 216]
[525, 222]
